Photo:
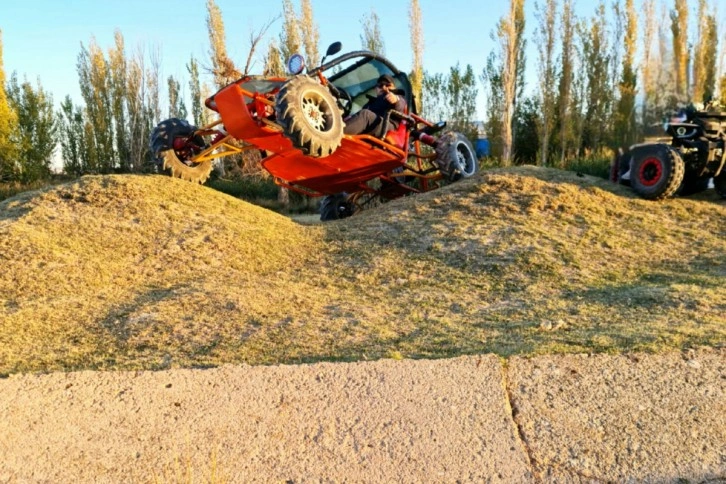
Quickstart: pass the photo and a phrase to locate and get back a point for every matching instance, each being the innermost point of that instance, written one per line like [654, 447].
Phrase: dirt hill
[130, 272]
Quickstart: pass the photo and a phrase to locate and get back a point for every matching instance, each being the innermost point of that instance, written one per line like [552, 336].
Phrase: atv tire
[309, 116]
[719, 184]
[335, 207]
[455, 156]
[656, 171]
[177, 162]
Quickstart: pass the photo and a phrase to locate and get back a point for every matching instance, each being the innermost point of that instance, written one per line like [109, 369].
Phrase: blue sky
[42, 38]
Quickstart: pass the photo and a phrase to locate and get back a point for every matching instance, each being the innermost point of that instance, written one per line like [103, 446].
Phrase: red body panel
[355, 162]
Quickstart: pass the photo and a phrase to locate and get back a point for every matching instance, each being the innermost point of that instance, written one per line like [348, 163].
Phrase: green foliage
[545, 37]
[452, 98]
[594, 164]
[118, 93]
[290, 36]
[95, 83]
[372, 39]
[36, 130]
[247, 188]
[8, 128]
[625, 122]
[274, 66]
[526, 139]
[492, 78]
[74, 149]
[177, 108]
[195, 90]
[598, 93]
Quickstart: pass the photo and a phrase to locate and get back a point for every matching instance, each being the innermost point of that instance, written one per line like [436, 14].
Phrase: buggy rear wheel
[656, 171]
[173, 144]
[335, 207]
[309, 116]
[719, 183]
[455, 156]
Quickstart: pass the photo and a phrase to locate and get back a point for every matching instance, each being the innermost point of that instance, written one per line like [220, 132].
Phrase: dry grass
[150, 272]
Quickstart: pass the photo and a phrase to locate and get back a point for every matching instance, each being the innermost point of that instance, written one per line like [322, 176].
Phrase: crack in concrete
[509, 401]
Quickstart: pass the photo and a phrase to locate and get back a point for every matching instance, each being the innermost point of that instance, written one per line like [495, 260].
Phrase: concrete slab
[638, 418]
[385, 421]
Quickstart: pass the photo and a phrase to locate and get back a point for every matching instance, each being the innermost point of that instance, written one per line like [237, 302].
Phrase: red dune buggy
[297, 123]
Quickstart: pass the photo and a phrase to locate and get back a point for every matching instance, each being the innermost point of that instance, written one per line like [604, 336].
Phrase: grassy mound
[150, 272]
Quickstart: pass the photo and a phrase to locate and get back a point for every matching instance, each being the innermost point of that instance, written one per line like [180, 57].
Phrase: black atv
[696, 153]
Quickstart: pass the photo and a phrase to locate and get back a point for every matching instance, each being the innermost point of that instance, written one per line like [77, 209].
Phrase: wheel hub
[314, 115]
[651, 171]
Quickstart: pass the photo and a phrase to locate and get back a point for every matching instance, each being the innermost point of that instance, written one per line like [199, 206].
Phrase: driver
[370, 117]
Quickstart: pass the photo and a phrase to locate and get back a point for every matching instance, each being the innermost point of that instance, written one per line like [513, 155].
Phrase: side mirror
[334, 48]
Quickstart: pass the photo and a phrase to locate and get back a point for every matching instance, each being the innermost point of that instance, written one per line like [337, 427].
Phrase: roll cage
[359, 78]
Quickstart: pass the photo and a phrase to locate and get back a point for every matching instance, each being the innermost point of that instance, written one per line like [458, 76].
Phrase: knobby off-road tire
[656, 171]
[175, 163]
[335, 207]
[455, 156]
[309, 116]
[719, 183]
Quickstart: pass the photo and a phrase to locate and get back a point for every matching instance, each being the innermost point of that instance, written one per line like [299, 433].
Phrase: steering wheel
[344, 101]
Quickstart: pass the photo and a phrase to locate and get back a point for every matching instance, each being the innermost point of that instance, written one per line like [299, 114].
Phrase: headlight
[295, 64]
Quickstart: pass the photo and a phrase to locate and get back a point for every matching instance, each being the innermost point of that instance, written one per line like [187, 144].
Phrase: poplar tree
[372, 39]
[597, 62]
[36, 129]
[195, 90]
[566, 75]
[153, 96]
[310, 34]
[492, 79]
[625, 121]
[511, 43]
[545, 37]
[708, 78]
[417, 47]
[8, 128]
[704, 65]
[290, 36]
[95, 84]
[72, 138]
[679, 30]
[223, 68]
[139, 120]
[273, 61]
[177, 109]
[118, 94]
[649, 64]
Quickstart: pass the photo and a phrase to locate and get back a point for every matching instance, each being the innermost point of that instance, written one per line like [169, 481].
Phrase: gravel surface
[654, 418]
[644, 418]
[381, 421]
